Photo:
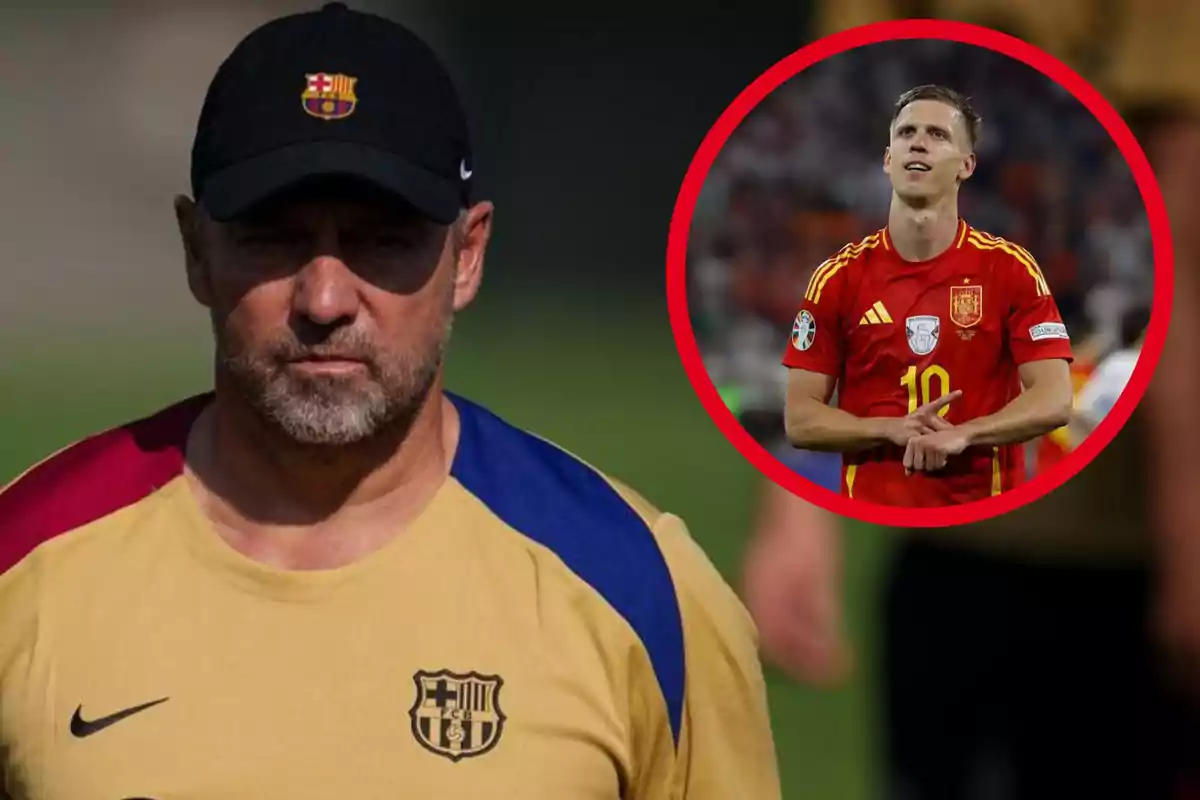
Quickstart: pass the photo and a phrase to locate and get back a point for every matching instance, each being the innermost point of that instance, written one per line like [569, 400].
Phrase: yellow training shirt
[539, 632]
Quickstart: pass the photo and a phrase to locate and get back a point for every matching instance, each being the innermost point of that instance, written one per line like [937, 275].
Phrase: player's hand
[930, 452]
[924, 420]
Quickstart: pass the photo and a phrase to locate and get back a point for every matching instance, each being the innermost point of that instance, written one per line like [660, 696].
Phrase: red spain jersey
[898, 334]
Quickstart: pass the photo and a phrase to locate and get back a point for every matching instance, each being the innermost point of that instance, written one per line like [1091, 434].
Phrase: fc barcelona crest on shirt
[329, 96]
[966, 305]
[922, 333]
[457, 715]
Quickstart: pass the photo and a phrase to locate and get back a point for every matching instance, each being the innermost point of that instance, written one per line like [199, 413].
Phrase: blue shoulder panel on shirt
[561, 503]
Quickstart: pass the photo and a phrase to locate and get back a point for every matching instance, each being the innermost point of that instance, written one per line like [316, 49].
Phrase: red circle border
[793, 65]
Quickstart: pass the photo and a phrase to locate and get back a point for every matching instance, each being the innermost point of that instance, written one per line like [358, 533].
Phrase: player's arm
[815, 355]
[1041, 348]
[812, 424]
[726, 748]
[1043, 406]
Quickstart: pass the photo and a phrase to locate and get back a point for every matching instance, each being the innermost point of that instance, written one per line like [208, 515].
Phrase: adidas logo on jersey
[875, 315]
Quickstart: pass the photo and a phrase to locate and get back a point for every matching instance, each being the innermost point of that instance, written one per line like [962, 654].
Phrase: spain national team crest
[457, 715]
[329, 96]
[922, 333]
[966, 305]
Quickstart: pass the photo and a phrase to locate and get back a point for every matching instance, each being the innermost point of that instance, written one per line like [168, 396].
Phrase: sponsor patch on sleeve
[1048, 330]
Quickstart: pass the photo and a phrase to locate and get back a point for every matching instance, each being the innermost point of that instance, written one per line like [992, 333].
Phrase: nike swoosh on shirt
[82, 728]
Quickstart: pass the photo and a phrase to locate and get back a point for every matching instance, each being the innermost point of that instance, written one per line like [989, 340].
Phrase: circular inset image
[970, 252]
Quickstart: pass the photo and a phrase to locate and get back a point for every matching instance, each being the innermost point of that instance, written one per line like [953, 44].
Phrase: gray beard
[328, 411]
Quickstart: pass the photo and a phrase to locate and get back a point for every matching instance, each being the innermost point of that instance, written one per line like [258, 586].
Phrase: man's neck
[919, 233]
[255, 480]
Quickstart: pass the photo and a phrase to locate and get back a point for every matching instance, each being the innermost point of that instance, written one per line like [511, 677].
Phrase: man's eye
[264, 236]
[382, 240]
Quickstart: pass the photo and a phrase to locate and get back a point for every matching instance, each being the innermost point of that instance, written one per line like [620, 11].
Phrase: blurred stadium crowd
[803, 176]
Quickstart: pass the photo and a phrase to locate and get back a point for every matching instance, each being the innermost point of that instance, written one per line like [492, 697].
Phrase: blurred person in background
[1105, 382]
[1054, 652]
[792, 575]
[327, 576]
[792, 583]
[1048, 450]
[1173, 143]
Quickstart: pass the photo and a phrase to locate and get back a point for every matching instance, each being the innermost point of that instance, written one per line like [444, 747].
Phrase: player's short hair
[943, 94]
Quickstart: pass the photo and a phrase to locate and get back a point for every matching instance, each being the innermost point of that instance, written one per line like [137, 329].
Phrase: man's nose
[326, 291]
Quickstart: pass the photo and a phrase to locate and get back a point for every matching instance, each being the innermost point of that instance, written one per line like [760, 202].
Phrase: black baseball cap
[332, 93]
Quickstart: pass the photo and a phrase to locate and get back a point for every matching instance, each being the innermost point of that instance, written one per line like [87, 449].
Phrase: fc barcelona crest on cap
[329, 96]
[966, 305]
[457, 715]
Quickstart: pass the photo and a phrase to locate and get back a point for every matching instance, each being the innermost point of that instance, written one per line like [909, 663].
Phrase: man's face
[930, 152]
[332, 308]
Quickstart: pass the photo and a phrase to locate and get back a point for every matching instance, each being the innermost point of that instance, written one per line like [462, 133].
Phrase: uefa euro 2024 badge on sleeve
[804, 330]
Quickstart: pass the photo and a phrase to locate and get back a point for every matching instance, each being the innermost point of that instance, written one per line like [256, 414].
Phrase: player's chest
[957, 321]
[428, 705]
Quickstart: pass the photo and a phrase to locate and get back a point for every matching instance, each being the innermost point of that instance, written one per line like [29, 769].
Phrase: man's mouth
[917, 166]
[328, 364]
[324, 358]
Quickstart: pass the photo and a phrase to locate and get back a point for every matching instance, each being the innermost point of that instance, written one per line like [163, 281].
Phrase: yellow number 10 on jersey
[927, 375]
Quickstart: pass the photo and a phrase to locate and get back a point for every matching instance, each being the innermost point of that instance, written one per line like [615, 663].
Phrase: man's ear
[188, 218]
[473, 234]
[968, 167]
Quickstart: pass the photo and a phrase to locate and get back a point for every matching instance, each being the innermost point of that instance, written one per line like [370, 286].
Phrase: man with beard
[330, 577]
